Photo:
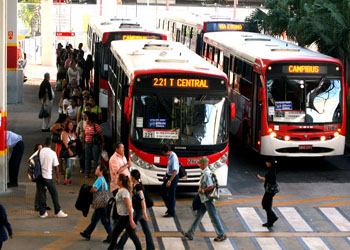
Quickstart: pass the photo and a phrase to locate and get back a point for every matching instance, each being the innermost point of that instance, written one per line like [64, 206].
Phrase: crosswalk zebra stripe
[294, 219]
[341, 223]
[268, 243]
[206, 222]
[173, 243]
[164, 224]
[251, 219]
[315, 243]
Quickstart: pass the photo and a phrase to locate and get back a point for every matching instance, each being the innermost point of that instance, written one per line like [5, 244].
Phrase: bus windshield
[179, 120]
[304, 100]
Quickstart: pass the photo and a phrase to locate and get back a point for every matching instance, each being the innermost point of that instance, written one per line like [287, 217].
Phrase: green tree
[29, 14]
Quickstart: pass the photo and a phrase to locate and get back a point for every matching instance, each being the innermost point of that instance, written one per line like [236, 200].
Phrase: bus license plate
[305, 147]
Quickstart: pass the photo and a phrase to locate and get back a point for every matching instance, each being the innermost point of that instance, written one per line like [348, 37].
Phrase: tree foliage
[325, 23]
[29, 14]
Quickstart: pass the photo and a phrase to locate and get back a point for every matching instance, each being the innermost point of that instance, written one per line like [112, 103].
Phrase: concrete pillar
[3, 95]
[47, 33]
[12, 81]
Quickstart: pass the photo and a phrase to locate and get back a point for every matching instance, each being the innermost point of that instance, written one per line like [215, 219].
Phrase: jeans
[123, 223]
[138, 216]
[40, 185]
[69, 166]
[15, 162]
[94, 151]
[267, 205]
[214, 217]
[169, 194]
[99, 214]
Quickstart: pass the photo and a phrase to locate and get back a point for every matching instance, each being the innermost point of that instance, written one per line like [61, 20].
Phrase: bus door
[256, 111]
[97, 72]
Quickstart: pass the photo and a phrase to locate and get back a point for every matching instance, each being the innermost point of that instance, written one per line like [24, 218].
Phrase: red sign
[10, 34]
[65, 33]
[59, 1]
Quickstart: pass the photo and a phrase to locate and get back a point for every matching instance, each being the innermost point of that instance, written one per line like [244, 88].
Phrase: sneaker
[61, 214]
[220, 238]
[44, 215]
[187, 235]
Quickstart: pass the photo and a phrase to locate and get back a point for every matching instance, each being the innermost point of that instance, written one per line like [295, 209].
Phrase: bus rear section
[174, 97]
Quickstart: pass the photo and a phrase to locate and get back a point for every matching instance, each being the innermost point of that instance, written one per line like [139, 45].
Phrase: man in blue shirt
[16, 145]
[168, 189]
[206, 185]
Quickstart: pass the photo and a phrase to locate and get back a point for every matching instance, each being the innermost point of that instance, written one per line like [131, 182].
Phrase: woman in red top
[92, 147]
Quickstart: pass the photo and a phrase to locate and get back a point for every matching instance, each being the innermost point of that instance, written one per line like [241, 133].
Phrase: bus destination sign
[304, 69]
[134, 37]
[229, 26]
[162, 82]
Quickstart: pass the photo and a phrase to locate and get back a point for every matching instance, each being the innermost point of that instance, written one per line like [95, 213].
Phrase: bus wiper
[202, 98]
[165, 106]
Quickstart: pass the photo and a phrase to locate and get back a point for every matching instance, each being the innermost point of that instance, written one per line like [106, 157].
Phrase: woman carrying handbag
[68, 151]
[271, 188]
[99, 186]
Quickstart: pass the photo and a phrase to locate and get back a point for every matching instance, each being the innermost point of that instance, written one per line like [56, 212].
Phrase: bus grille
[297, 150]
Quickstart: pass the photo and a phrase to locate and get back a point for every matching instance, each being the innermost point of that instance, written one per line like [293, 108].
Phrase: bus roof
[197, 19]
[105, 25]
[161, 56]
[253, 46]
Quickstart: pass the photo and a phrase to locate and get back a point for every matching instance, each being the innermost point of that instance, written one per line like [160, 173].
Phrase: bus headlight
[219, 163]
[139, 162]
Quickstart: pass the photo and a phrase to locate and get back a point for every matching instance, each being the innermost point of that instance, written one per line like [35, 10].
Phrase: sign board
[59, 1]
[65, 33]
[10, 35]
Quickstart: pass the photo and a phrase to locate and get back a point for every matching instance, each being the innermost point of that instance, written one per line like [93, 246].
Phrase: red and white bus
[101, 32]
[290, 101]
[162, 92]
[189, 28]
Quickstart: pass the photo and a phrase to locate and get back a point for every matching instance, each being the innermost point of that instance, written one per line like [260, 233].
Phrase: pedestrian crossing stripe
[314, 243]
[336, 218]
[294, 219]
[250, 219]
[268, 243]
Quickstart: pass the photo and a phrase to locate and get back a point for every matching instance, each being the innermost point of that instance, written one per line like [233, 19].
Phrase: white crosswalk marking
[252, 219]
[164, 224]
[336, 218]
[206, 222]
[295, 219]
[315, 243]
[173, 243]
[223, 245]
[268, 243]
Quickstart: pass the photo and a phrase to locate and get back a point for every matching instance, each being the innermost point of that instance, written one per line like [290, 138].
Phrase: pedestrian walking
[16, 147]
[92, 147]
[140, 211]
[170, 180]
[46, 96]
[99, 213]
[80, 131]
[118, 164]
[69, 151]
[271, 188]
[206, 185]
[48, 161]
[125, 212]
[4, 224]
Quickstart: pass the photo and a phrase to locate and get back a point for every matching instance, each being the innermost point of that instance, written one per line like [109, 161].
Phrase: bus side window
[247, 71]
[226, 65]
[211, 52]
[216, 56]
[221, 59]
[246, 88]
[204, 49]
[230, 75]
[238, 69]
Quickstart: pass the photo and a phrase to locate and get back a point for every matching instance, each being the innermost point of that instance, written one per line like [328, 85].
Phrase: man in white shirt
[48, 161]
[16, 146]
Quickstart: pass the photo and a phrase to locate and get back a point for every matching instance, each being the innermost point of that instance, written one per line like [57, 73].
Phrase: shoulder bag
[100, 198]
[43, 112]
[272, 188]
[96, 138]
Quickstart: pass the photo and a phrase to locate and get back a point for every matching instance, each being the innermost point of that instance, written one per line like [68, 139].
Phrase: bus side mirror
[233, 110]
[347, 89]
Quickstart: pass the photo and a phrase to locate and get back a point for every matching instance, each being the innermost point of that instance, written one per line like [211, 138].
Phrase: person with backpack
[206, 185]
[140, 211]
